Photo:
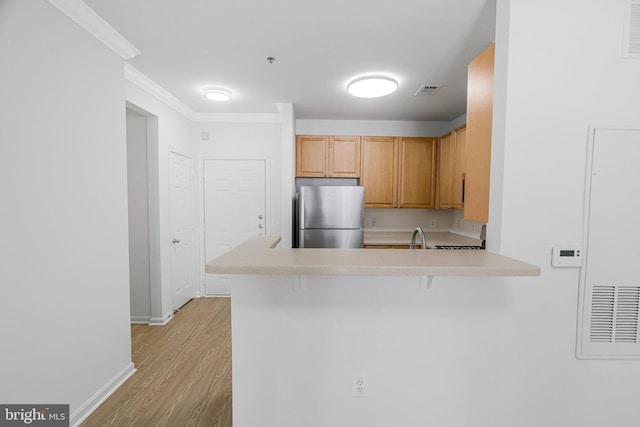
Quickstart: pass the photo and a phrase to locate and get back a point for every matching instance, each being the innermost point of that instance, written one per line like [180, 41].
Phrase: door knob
[260, 225]
[260, 216]
[175, 241]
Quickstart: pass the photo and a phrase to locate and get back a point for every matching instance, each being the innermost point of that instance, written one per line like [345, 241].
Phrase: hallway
[183, 372]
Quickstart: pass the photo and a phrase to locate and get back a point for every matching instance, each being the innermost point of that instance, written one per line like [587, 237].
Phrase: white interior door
[234, 210]
[181, 212]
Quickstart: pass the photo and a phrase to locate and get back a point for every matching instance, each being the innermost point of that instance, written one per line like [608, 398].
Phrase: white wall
[172, 131]
[471, 352]
[432, 357]
[288, 168]
[64, 258]
[138, 194]
[245, 140]
[242, 140]
[542, 135]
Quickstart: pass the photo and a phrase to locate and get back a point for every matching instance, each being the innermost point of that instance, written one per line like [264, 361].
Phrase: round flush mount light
[372, 87]
[217, 94]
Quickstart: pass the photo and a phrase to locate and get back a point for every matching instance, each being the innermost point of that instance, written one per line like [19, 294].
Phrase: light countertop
[376, 237]
[259, 255]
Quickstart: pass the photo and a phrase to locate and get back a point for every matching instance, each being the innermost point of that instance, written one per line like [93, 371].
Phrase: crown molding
[237, 118]
[145, 83]
[87, 18]
[84, 16]
[153, 88]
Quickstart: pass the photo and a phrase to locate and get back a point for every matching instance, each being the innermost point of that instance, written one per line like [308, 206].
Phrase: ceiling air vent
[427, 90]
[631, 48]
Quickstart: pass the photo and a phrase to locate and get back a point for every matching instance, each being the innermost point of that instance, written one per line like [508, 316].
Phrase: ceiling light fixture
[372, 87]
[220, 95]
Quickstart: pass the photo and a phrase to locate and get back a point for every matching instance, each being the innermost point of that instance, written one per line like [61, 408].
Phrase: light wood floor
[184, 372]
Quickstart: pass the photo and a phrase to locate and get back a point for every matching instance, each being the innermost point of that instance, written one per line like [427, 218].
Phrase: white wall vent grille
[609, 303]
[427, 90]
[631, 48]
[615, 314]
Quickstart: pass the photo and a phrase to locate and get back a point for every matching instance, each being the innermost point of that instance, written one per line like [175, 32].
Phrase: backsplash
[461, 226]
[428, 219]
[406, 219]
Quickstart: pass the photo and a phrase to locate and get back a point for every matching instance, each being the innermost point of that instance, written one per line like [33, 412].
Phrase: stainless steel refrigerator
[330, 217]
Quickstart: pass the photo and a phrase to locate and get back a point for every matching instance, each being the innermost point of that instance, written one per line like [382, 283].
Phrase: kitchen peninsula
[309, 325]
[259, 256]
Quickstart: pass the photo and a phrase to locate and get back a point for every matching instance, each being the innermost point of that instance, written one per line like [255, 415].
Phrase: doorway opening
[144, 228]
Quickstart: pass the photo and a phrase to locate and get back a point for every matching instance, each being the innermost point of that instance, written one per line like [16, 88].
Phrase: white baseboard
[140, 320]
[161, 321]
[96, 400]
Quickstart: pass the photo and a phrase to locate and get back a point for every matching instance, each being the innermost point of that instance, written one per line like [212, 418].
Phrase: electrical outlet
[374, 221]
[432, 223]
[360, 385]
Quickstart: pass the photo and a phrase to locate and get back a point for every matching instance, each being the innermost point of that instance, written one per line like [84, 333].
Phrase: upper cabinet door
[379, 171]
[312, 153]
[344, 156]
[324, 156]
[445, 160]
[459, 168]
[398, 172]
[478, 138]
[417, 170]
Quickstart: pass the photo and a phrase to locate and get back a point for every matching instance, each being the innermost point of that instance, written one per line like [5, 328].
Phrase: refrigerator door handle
[301, 210]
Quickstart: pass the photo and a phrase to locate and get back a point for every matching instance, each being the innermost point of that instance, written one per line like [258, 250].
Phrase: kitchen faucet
[423, 240]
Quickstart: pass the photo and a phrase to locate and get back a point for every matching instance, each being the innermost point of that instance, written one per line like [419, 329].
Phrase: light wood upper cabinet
[398, 172]
[452, 169]
[478, 137]
[380, 171]
[344, 156]
[459, 168]
[417, 169]
[312, 153]
[325, 156]
[445, 162]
